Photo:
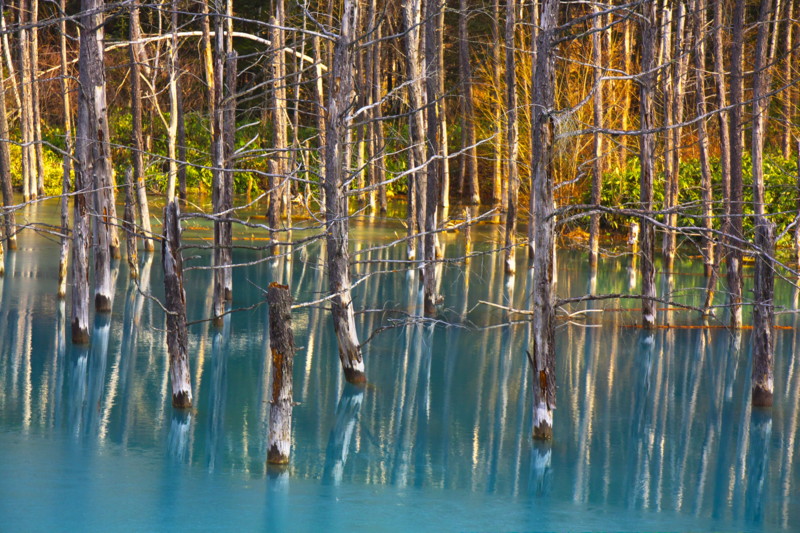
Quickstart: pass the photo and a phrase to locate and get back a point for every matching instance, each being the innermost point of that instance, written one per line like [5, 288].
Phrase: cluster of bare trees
[331, 108]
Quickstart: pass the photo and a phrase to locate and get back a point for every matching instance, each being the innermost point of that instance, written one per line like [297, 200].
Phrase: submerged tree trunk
[336, 219]
[177, 336]
[94, 156]
[470, 188]
[434, 144]
[647, 233]
[412, 17]
[763, 315]
[66, 160]
[136, 54]
[281, 342]
[734, 254]
[512, 130]
[543, 99]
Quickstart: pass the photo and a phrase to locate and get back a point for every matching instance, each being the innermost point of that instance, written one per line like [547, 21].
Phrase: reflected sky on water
[652, 430]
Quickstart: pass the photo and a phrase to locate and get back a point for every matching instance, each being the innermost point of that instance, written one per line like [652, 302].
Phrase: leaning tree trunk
[647, 234]
[136, 53]
[734, 254]
[512, 131]
[470, 188]
[66, 160]
[281, 342]
[543, 351]
[336, 215]
[597, 167]
[175, 296]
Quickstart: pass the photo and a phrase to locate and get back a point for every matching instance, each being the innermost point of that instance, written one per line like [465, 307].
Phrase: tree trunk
[532, 200]
[181, 140]
[136, 52]
[321, 118]
[412, 17]
[543, 99]
[9, 219]
[434, 171]
[93, 153]
[681, 58]
[129, 224]
[229, 134]
[647, 234]
[761, 84]
[698, 10]
[66, 160]
[512, 130]
[470, 187]
[498, 198]
[788, 107]
[36, 116]
[763, 314]
[667, 58]
[219, 189]
[281, 341]
[279, 121]
[735, 230]
[175, 296]
[597, 166]
[26, 110]
[444, 178]
[336, 215]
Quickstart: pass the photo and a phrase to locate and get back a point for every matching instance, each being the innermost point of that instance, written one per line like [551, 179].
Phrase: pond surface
[652, 431]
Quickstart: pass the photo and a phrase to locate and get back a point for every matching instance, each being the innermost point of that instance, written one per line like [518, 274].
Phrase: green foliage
[621, 190]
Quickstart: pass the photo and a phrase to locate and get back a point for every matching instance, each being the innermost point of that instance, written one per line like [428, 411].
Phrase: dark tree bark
[434, 146]
[542, 358]
[734, 254]
[281, 341]
[763, 315]
[512, 133]
[648, 29]
[336, 219]
[136, 54]
[470, 188]
[177, 336]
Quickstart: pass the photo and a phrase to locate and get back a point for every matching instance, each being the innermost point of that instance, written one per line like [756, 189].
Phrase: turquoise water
[652, 432]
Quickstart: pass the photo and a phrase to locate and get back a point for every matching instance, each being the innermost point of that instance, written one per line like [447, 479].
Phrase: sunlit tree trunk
[26, 110]
[444, 188]
[788, 93]
[498, 199]
[597, 165]
[532, 195]
[512, 131]
[412, 17]
[734, 254]
[667, 58]
[66, 160]
[320, 116]
[136, 54]
[336, 219]
[542, 358]
[470, 188]
[648, 29]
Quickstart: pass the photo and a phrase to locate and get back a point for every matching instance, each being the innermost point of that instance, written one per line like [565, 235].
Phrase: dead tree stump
[177, 336]
[763, 315]
[281, 342]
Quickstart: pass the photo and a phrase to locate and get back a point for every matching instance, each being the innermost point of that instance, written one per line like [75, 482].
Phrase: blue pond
[652, 431]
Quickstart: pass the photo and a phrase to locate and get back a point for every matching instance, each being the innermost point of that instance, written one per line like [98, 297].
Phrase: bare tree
[336, 212]
[470, 188]
[512, 134]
